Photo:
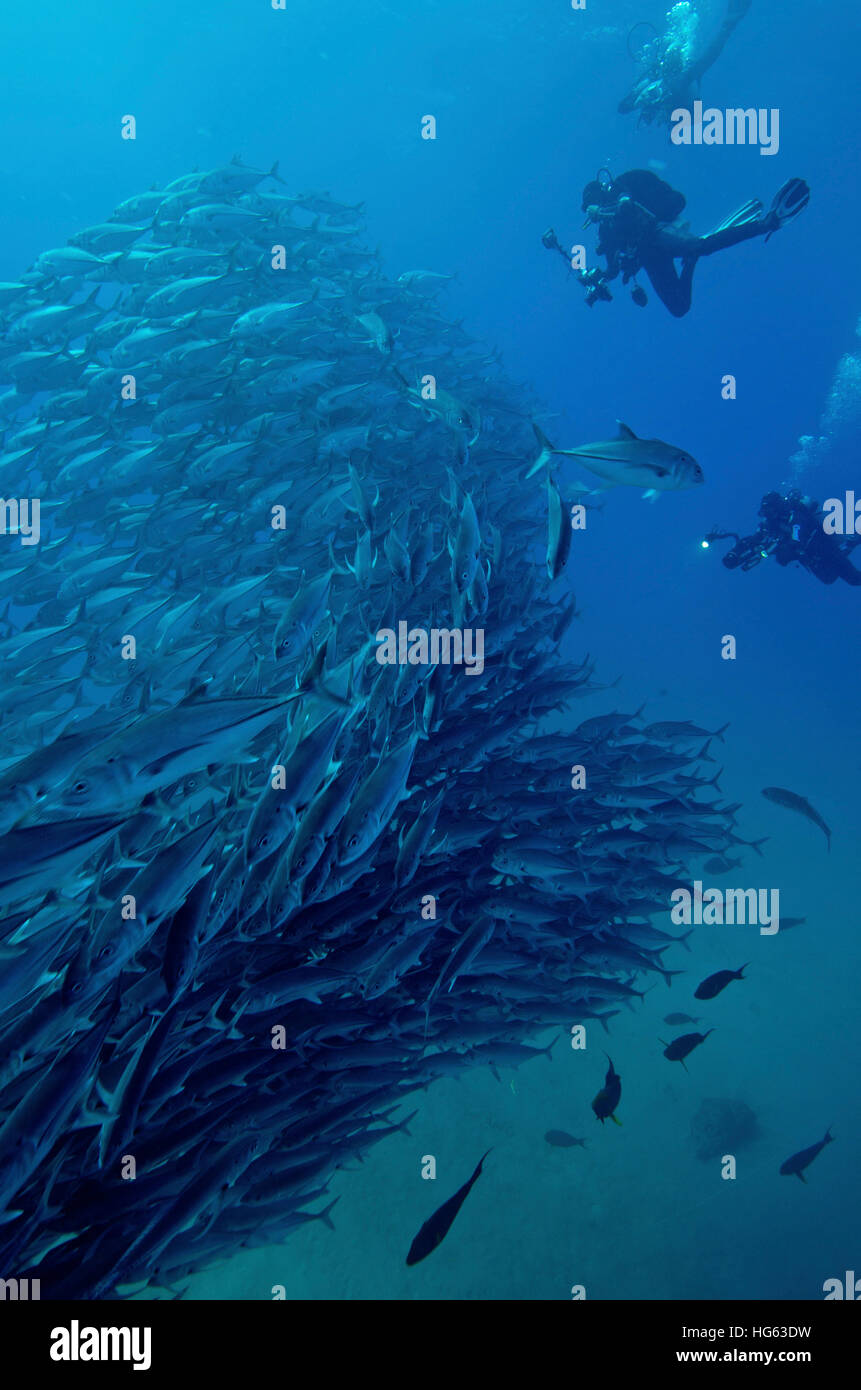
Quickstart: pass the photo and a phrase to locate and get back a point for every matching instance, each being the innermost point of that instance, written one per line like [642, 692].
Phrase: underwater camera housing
[596, 286]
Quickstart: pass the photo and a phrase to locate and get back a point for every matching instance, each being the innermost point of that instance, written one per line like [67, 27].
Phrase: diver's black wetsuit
[634, 238]
[791, 530]
[638, 217]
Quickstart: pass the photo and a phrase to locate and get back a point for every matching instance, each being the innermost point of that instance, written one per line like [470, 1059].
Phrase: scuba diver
[672, 68]
[791, 529]
[638, 213]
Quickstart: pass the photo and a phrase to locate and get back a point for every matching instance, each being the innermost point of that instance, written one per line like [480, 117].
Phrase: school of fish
[257, 888]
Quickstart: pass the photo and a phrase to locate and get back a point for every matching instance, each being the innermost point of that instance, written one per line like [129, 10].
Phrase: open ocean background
[525, 99]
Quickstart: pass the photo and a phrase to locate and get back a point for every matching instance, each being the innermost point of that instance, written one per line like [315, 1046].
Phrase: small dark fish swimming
[561, 1139]
[793, 802]
[609, 1096]
[798, 1162]
[677, 729]
[713, 985]
[721, 864]
[437, 1227]
[677, 1019]
[682, 1047]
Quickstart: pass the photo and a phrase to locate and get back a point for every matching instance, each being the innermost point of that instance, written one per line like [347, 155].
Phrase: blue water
[525, 99]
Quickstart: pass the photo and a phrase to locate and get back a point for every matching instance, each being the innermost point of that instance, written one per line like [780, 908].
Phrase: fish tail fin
[324, 1215]
[719, 733]
[545, 450]
[829, 1137]
[683, 939]
[311, 682]
[549, 1049]
[604, 1017]
[755, 844]
[738, 974]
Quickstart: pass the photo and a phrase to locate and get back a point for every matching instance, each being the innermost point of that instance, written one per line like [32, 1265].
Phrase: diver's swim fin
[750, 212]
[789, 201]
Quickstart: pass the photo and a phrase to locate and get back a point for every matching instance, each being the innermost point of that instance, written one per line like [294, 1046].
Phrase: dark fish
[793, 802]
[791, 922]
[721, 864]
[673, 729]
[679, 1048]
[609, 1096]
[437, 1227]
[676, 1019]
[558, 531]
[719, 981]
[798, 1162]
[560, 1139]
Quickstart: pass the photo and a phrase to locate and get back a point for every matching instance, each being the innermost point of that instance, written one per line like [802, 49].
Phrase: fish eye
[106, 952]
[80, 787]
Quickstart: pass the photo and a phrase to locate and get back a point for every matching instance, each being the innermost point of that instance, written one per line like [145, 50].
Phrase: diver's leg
[731, 236]
[672, 288]
[684, 245]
